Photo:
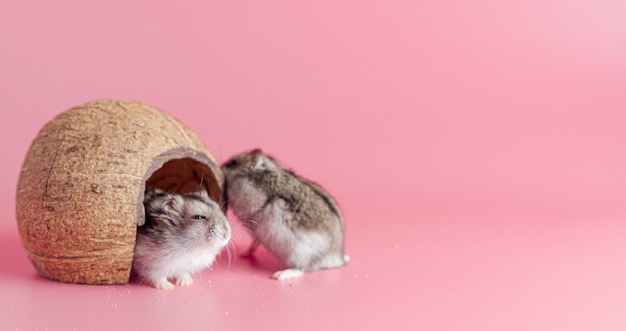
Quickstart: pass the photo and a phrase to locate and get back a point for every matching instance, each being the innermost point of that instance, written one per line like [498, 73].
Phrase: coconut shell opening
[81, 187]
[181, 175]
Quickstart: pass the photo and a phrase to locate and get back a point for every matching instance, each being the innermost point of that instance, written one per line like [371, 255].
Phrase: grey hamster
[294, 218]
[182, 235]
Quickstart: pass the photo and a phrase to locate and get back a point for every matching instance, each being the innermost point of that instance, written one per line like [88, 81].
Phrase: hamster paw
[184, 280]
[287, 273]
[163, 284]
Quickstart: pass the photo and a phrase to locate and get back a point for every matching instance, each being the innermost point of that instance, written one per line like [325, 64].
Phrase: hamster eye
[198, 217]
[231, 163]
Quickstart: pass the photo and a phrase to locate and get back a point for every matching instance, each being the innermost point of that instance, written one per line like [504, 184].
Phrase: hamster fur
[294, 218]
[182, 235]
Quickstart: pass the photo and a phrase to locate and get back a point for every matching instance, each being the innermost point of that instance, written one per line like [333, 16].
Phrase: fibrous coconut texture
[81, 188]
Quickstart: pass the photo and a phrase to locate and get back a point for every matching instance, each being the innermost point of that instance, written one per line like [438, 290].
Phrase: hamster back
[294, 218]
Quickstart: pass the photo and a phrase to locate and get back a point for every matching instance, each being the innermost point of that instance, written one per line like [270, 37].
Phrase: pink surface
[478, 151]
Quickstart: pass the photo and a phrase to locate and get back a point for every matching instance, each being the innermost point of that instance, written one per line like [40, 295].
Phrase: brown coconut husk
[81, 188]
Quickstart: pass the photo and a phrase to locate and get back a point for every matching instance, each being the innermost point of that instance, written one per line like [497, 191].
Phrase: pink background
[478, 149]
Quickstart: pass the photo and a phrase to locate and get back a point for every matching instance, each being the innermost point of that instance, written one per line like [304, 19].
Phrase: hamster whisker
[248, 231]
[201, 182]
[251, 220]
[234, 204]
[227, 249]
[242, 196]
[237, 243]
[231, 255]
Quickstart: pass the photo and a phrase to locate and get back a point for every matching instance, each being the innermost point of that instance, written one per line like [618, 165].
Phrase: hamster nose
[226, 233]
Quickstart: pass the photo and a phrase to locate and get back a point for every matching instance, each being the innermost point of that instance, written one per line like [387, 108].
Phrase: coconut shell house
[81, 187]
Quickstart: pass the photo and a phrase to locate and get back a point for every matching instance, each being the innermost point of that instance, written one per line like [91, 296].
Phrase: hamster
[294, 218]
[182, 235]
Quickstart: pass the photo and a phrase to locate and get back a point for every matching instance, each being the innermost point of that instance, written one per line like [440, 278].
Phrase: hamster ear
[203, 192]
[261, 162]
[173, 204]
[152, 193]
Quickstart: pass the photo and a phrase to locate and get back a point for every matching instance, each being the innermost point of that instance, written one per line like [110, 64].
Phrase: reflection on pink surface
[478, 151]
[444, 271]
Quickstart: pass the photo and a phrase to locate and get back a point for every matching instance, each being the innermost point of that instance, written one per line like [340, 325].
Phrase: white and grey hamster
[182, 235]
[294, 218]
